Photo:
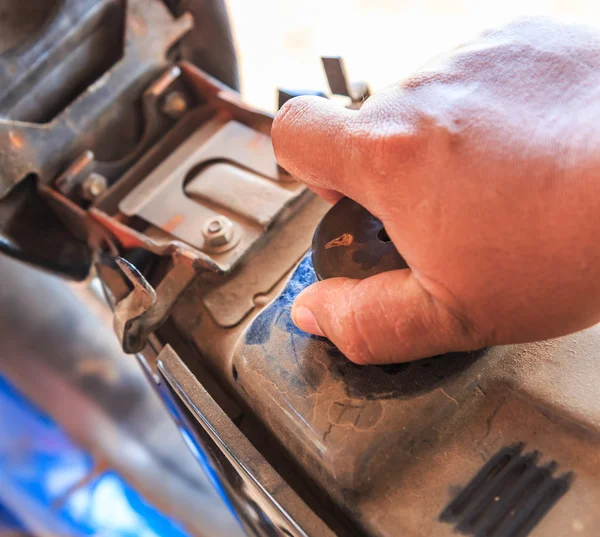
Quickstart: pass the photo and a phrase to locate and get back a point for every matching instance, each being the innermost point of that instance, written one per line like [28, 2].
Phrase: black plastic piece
[335, 71]
[350, 242]
[508, 497]
[284, 95]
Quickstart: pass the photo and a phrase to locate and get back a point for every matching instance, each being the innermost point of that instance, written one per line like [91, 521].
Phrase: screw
[219, 233]
[174, 104]
[93, 186]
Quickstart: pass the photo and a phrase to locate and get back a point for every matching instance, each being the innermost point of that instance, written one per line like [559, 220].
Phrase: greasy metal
[219, 105]
[83, 128]
[266, 503]
[352, 243]
[43, 149]
[144, 309]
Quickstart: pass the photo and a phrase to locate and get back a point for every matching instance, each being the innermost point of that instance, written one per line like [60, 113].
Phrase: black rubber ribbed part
[508, 496]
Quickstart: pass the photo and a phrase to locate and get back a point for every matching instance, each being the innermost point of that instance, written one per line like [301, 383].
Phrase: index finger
[312, 141]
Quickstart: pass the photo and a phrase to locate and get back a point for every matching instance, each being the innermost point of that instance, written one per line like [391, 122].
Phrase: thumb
[382, 319]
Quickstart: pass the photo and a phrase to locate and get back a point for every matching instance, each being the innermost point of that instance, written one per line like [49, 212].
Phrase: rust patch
[16, 139]
[256, 142]
[343, 240]
[174, 223]
[137, 25]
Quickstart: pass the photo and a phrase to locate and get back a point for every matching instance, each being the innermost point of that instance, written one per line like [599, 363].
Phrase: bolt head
[214, 226]
[174, 104]
[93, 186]
[219, 233]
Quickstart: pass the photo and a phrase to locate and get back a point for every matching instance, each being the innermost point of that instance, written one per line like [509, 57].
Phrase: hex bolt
[219, 233]
[174, 104]
[93, 186]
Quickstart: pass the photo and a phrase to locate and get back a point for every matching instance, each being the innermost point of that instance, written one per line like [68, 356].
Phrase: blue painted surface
[46, 481]
[234, 527]
[279, 312]
[9, 522]
[109, 505]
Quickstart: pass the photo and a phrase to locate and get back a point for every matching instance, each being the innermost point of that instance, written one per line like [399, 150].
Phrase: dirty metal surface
[43, 149]
[58, 348]
[246, 150]
[352, 243]
[144, 309]
[186, 189]
[266, 503]
[231, 301]
[393, 445]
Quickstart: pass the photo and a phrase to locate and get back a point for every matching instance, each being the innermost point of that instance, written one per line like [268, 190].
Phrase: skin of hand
[484, 168]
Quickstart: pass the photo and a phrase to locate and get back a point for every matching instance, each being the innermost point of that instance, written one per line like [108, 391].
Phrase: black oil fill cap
[350, 242]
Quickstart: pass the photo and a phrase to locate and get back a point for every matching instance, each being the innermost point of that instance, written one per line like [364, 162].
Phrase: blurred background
[382, 41]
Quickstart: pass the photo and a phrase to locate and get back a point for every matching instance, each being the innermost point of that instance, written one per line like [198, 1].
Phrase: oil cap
[350, 242]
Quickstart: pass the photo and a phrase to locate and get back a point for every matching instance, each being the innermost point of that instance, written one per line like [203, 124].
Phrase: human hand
[484, 169]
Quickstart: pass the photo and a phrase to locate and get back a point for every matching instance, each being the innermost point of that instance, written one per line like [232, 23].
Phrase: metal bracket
[144, 309]
[43, 149]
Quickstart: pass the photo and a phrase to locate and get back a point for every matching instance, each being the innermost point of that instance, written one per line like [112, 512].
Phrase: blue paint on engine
[278, 313]
[48, 485]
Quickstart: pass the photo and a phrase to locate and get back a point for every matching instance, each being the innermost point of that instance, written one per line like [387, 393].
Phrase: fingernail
[305, 320]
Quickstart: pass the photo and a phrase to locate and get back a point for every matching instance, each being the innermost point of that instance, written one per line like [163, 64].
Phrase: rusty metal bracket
[156, 121]
[44, 149]
[144, 309]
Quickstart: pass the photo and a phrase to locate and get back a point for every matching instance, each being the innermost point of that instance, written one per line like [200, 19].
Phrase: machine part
[75, 174]
[144, 309]
[284, 95]
[81, 136]
[174, 104]
[266, 504]
[115, 231]
[153, 102]
[508, 497]
[335, 71]
[21, 219]
[186, 189]
[231, 301]
[352, 243]
[209, 45]
[371, 437]
[96, 415]
[219, 234]
[45, 148]
[93, 186]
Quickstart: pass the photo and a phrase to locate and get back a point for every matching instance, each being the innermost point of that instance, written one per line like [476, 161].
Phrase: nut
[219, 233]
[93, 186]
[174, 104]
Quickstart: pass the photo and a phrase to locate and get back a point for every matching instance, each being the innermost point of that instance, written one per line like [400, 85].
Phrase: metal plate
[223, 168]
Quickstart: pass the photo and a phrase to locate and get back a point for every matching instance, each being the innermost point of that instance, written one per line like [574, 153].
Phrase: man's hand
[485, 170]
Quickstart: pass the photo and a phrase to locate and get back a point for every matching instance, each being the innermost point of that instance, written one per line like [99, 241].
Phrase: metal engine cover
[393, 446]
